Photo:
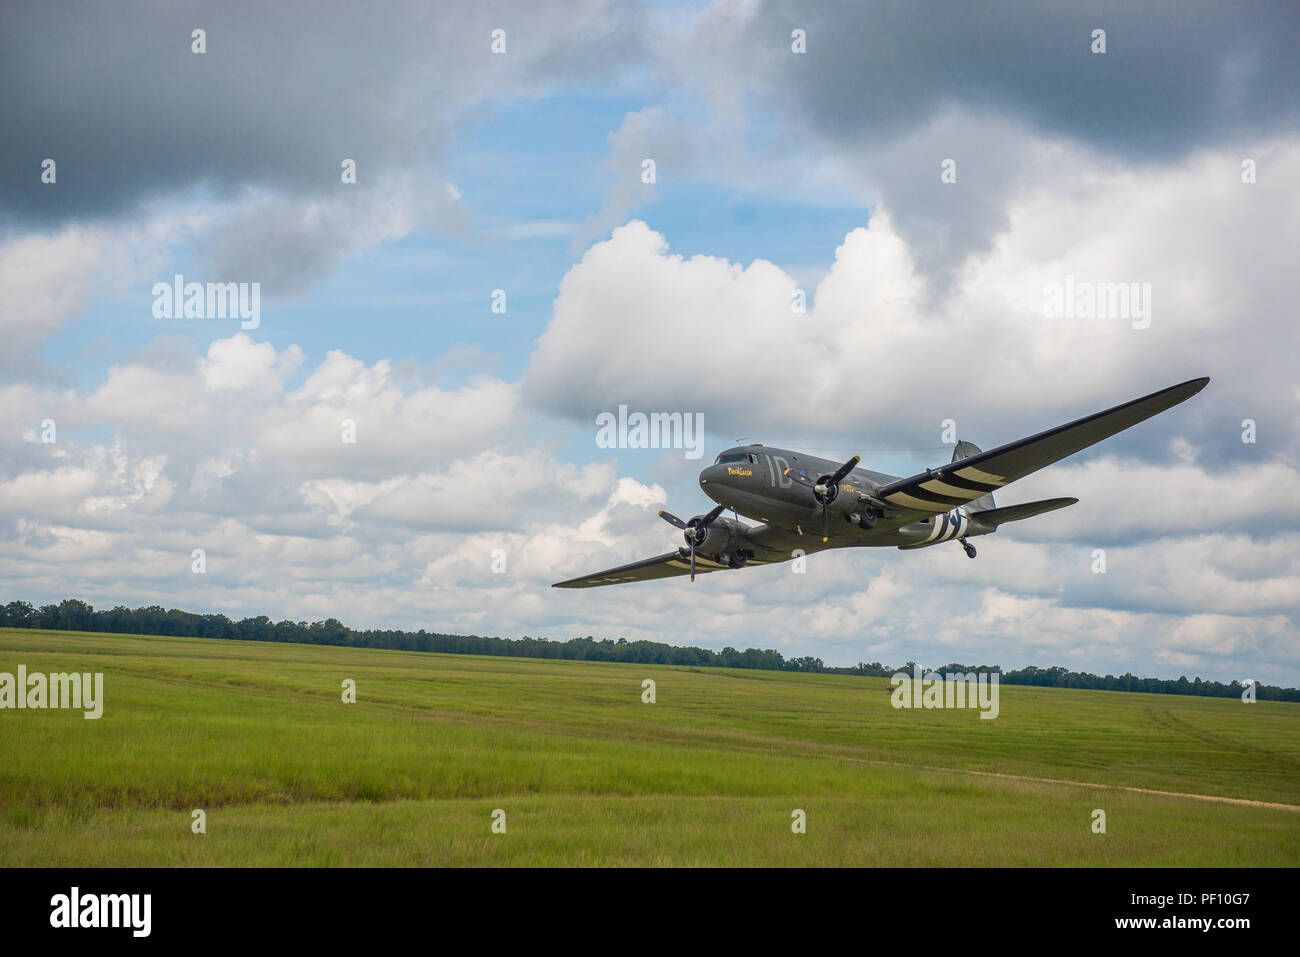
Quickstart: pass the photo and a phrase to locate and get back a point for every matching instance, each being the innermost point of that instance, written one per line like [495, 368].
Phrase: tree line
[72, 614]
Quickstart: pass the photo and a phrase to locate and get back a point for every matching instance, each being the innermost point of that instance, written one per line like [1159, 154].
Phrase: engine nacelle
[725, 536]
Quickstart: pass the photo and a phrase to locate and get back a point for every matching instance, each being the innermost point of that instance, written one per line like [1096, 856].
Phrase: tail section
[1014, 513]
[964, 450]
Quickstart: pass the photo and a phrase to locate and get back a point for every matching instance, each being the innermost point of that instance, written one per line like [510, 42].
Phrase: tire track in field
[1218, 798]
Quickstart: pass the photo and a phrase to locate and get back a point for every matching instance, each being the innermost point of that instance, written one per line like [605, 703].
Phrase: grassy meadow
[257, 736]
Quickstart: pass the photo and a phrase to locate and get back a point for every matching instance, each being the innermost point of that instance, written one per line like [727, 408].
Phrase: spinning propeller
[694, 530]
[825, 489]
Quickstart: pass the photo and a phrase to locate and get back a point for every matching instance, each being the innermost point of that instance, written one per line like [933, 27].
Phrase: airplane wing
[662, 566]
[962, 481]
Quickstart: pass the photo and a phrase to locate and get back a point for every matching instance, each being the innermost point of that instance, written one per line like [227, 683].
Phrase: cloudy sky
[794, 147]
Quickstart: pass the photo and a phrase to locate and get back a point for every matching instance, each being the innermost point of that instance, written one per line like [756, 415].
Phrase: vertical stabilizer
[964, 450]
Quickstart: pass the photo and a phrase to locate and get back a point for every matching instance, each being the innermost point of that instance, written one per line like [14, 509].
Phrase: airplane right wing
[962, 481]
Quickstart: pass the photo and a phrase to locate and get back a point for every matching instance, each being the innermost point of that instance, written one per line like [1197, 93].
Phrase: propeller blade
[844, 470]
[826, 525]
[707, 520]
[692, 562]
[800, 478]
[672, 519]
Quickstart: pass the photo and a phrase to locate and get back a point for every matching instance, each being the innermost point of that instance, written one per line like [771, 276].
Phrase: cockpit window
[727, 457]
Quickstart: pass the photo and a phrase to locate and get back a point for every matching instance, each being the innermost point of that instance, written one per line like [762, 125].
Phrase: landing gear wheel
[737, 559]
[868, 520]
[970, 549]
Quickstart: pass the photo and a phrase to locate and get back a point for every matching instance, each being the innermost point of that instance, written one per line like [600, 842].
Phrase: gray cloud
[893, 88]
[1174, 76]
[283, 94]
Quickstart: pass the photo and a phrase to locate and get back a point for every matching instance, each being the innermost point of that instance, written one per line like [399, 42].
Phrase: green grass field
[256, 735]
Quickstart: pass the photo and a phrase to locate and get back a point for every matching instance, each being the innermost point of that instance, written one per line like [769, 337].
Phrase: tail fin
[964, 450]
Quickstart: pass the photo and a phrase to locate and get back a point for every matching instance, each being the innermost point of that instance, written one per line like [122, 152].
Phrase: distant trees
[72, 614]
[1061, 678]
[873, 670]
[18, 614]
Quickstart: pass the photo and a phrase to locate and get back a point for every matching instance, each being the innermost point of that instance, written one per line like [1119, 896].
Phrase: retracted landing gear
[970, 549]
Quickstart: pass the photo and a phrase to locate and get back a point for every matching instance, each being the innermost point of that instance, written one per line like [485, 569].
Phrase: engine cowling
[725, 536]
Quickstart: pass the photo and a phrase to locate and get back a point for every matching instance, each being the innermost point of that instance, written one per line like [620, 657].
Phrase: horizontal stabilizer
[1014, 513]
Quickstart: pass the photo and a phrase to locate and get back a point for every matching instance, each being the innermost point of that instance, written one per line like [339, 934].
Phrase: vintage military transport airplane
[796, 496]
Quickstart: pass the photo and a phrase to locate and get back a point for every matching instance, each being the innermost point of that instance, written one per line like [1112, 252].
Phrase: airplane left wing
[962, 481]
[662, 566]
